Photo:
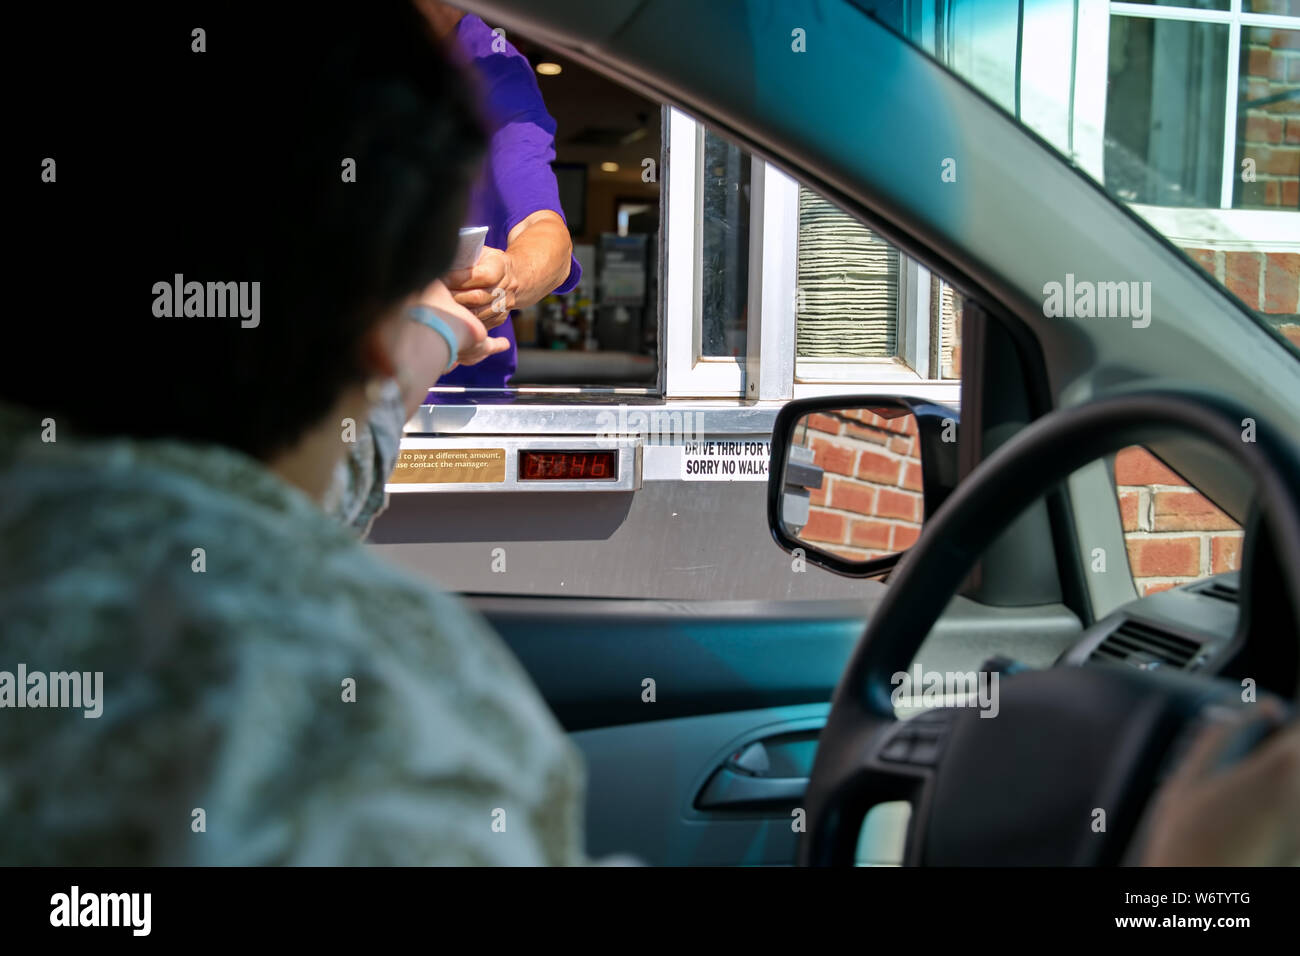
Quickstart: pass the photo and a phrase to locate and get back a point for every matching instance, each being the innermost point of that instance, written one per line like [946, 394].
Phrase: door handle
[767, 773]
[729, 790]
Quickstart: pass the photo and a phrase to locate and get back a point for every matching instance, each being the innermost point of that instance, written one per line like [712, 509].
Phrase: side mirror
[853, 478]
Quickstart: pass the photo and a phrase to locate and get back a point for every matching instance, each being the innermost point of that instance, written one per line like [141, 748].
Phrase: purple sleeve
[522, 149]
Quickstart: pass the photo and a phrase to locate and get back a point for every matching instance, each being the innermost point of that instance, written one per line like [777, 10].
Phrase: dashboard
[1194, 627]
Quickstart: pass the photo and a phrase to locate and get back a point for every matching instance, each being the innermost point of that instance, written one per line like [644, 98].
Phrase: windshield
[1186, 111]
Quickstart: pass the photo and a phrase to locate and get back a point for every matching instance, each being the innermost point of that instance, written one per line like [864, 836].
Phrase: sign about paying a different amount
[450, 466]
[725, 460]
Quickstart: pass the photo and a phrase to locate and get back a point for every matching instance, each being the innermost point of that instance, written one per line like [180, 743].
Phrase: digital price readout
[568, 465]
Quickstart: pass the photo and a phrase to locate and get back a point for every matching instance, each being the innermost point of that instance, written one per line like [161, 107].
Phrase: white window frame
[688, 373]
[769, 370]
[777, 215]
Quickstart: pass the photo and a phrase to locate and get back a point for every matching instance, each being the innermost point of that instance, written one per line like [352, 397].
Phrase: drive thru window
[715, 288]
[754, 290]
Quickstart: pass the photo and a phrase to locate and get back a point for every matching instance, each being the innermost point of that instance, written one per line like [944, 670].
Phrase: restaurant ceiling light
[549, 69]
[609, 167]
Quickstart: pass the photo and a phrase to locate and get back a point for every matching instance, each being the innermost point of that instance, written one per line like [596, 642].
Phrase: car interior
[726, 720]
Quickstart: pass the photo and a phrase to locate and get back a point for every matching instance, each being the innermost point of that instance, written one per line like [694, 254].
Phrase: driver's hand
[471, 334]
[1245, 815]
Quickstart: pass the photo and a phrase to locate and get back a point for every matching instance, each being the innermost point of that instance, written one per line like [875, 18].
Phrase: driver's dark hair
[225, 156]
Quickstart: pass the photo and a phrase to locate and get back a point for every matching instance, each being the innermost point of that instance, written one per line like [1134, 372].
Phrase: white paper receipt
[469, 248]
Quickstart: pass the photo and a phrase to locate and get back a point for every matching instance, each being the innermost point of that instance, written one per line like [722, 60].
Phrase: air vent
[1220, 591]
[1144, 646]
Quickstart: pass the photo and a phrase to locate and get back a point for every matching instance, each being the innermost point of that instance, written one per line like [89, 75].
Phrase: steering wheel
[1024, 787]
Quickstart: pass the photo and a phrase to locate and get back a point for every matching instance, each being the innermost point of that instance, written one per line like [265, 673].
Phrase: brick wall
[869, 503]
[1268, 282]
[1268, 121]
[1173, 533]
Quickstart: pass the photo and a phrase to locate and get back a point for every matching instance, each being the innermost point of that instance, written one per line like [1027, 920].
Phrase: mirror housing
[795, 473]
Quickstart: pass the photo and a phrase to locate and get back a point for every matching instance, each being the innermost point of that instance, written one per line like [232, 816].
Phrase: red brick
[1225, 553]
[1258, 60]
[870, 534]
[898, 504]
[899, 425]
[1291, 194]
[851, 496]
[1293, 122]
[1243, 272]
[823, 423]
[824, 526]
[1189, 511]
[1128, 509]
[835, 458]
[901, 445]
[1203, 258]
[1257, 89]
[1282, 161]
[817, 496]
[1285, 40]
[1281, 8]
[873, 435]
[1292, 333]
[1277, 67]
[1164, 557]
[1261, 128]
[1282, 282]
[905, 536]
[873, 466]
[1271, 193]
[1137, 466]
[912, 476]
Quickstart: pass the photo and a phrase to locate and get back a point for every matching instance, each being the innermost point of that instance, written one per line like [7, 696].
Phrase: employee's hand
[536, 260]
[488, 289]
[471, 333]
[1245, 815]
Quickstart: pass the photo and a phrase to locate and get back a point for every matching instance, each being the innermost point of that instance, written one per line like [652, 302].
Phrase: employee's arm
[536, 260]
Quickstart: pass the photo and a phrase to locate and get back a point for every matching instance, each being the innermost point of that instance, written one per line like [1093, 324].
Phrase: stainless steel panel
[670, 540]
[629, 464]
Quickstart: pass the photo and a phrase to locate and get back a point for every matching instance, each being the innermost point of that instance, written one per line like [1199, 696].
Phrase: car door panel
[726, 674]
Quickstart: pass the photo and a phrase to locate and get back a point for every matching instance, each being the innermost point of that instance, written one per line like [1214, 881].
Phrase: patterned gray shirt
[234, 622]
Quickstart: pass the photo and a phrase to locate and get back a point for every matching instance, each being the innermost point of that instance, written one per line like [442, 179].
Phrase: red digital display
[568, 465]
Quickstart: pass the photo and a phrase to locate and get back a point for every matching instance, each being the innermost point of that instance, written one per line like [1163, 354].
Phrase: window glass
[1268, 119]
[608, 153]
[1164, 111]
[1192, 4]
[1188, 110]
[949, 305]
[847, 285]
[856, 298]
[724, 268]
